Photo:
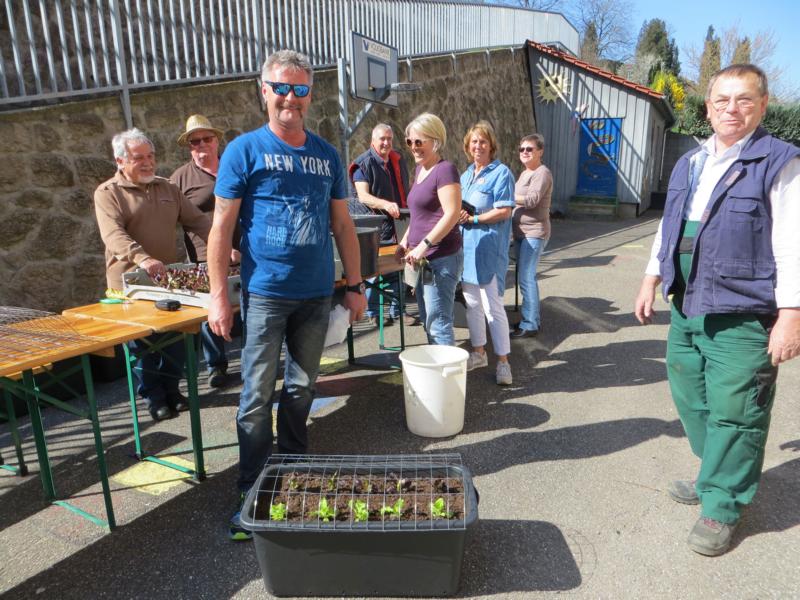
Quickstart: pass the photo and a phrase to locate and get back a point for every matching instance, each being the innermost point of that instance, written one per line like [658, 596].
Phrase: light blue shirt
[486, 246]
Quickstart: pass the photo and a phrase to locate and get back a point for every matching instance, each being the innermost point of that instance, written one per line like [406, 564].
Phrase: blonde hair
[486, 131]
[431, 127]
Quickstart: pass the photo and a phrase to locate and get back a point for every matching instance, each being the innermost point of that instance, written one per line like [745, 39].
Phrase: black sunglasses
[526, 149]
[282, 89]
[203, 140]
[416, 143]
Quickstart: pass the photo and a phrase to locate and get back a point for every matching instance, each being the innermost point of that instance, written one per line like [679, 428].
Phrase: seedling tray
[412, 548]
[137, 285]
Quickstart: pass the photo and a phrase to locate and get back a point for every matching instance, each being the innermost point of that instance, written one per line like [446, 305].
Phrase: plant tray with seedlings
[187, 283]
[350, 525]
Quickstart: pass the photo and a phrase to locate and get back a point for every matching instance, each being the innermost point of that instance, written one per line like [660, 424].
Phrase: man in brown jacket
[137, 214]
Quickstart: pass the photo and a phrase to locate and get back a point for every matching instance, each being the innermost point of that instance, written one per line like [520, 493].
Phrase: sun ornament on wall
[552, 87]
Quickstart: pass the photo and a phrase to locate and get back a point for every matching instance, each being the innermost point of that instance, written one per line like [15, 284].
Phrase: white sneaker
[476, 360]
[503, 374]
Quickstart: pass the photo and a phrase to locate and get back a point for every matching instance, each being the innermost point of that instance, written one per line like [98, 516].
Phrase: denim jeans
[156, 375]
[268, 322]
[528, 252]
[373, 296]
[214, 346]
[436, 301]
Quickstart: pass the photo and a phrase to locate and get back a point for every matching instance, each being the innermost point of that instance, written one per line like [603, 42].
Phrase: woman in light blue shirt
[487, 191]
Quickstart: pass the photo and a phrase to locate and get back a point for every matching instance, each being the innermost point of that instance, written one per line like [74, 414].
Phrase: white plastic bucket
[435, 386]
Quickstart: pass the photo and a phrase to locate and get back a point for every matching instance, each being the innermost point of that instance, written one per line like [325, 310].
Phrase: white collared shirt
[784, 197]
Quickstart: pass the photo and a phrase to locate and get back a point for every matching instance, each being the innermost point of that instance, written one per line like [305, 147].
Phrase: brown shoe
[410, 320]
[375, 321]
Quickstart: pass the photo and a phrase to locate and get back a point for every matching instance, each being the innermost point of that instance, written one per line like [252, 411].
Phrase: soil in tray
[301, 493]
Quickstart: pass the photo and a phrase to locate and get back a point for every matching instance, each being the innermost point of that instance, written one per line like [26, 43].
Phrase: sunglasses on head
[415, 143]
[203, 140]
[525, 149]
[282, 89]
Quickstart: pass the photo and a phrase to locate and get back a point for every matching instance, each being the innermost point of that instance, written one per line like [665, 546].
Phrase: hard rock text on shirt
[309, 164]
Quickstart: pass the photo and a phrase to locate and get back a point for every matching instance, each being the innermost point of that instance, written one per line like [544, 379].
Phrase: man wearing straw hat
[196, 179]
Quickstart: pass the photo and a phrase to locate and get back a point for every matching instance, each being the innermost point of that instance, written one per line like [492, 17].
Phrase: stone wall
[53, 158]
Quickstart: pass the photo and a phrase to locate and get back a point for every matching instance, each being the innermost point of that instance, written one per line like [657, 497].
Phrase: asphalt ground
[571, 463]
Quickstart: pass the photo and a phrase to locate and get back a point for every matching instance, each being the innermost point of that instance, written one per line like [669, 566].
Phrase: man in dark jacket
[728, 253]
[380, 177]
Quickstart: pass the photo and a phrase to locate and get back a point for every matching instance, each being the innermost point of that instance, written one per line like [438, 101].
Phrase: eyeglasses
[415, 143]
[526, 149]
[203, 140]
[282, 89]
[743, 104]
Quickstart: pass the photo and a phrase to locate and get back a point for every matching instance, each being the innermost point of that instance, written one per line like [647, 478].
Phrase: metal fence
[60, 48]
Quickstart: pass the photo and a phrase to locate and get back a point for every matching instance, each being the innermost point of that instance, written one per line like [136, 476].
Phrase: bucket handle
[449, 371]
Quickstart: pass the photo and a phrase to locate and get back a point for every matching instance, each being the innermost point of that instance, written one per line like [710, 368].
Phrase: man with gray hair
[137, 213]
[380, 176]
[728, 254]
[286, 187]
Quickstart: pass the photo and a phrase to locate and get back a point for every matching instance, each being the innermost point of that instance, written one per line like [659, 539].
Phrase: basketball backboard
[373, 70]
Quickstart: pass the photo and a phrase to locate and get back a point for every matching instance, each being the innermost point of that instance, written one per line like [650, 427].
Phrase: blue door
[597, 158]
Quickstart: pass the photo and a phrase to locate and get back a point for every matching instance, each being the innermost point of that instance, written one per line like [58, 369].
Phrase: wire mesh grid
[25, 330]
[385, 492]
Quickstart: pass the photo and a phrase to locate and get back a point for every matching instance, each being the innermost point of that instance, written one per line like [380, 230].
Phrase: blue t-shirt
[285, 212]
[486, 246]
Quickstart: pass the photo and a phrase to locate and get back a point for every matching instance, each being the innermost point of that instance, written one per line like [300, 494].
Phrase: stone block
[82, 123]
[45, 138]
[52, 170]
[12, 171]
[88, 281]
[35, 198]
[41, 285]
[77, 202]
[92, 170]
[59, 238]
[16, 224]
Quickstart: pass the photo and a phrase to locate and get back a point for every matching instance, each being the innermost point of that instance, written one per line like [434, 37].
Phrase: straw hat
[194, 123]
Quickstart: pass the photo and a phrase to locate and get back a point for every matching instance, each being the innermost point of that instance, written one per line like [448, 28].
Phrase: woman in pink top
[432, 243]
[531, 228]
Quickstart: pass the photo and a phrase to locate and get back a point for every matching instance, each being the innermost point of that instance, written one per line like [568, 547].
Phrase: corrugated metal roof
[642, 89]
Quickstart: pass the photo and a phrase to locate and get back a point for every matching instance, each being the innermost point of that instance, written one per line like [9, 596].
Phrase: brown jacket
[137, 223]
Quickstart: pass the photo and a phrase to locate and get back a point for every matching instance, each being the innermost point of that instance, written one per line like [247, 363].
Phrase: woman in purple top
[433, 235]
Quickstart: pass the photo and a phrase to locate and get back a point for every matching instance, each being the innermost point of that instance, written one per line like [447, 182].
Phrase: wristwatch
[358, 288]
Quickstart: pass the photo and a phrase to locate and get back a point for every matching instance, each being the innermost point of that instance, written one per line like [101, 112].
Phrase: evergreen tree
[741, 55]
[710, 60]
[589, 45]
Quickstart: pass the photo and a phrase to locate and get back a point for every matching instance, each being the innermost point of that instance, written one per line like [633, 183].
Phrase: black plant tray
[416, 557]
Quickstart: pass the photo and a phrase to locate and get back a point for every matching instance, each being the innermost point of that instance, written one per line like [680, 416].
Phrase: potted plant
[361, 525]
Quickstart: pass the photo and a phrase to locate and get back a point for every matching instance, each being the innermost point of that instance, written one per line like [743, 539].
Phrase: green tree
[654, 41]
[741, 55]
[709, 61]
[589, 44]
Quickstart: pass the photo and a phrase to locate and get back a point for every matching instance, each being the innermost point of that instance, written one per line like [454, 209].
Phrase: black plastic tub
[417, 557]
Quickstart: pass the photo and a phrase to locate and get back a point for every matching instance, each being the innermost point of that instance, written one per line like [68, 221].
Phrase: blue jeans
[268, 322]
[157, 373]
[528, 252]
[373, 296]
[214, 346]
[436, 301]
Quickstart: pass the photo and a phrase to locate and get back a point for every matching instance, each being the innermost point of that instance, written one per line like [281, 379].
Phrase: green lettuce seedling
[394, 510]
[359, 510]
[439, 511]
[332, 481]
[277, 512]
[324, 512]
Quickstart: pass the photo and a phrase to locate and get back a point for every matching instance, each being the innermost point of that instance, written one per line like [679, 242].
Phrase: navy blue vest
[733, 268]
[382, 185]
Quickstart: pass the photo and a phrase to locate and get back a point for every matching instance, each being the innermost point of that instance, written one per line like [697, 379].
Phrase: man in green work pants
[727, 253]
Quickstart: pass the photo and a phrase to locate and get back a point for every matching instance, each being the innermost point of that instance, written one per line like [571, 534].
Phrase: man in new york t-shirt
[286, 188]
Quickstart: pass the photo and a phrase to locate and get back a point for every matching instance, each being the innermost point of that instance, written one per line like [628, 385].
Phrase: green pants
[723, 386]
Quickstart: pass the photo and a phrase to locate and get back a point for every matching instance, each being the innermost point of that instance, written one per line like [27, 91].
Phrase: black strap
[686, 245]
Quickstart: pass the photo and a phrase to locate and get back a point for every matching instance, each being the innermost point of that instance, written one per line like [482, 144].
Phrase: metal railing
[60, 48]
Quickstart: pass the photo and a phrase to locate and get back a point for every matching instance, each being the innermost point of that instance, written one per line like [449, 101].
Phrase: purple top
[426, 210]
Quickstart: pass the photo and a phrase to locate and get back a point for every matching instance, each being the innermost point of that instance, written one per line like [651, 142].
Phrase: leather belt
[686, 245]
